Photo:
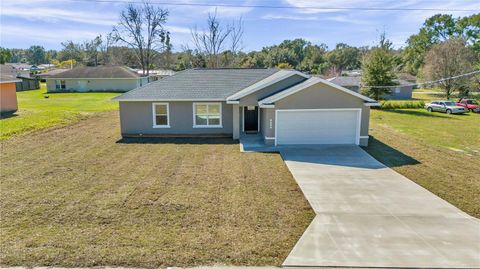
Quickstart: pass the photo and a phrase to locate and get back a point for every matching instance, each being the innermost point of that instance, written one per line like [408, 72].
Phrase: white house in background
[99, 78]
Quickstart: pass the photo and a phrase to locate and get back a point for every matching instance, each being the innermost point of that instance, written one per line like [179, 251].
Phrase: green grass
[438, 151]
[37, 112]
[459, 132]
[396, 104]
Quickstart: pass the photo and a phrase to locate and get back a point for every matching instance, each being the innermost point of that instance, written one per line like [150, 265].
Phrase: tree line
[444, 46]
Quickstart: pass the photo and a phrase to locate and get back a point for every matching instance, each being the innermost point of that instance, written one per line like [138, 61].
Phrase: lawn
[438, 151]
[37, 112]
[78, 196]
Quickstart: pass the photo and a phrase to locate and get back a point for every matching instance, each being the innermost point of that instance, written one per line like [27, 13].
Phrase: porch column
[236, 121]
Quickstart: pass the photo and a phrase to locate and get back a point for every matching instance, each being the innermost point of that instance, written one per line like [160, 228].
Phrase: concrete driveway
[370, 216]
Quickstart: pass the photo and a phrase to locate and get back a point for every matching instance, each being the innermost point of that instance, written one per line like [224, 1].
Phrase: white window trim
[194, 105]
[154, 115]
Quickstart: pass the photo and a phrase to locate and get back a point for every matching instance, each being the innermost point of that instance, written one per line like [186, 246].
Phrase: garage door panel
[317, 127]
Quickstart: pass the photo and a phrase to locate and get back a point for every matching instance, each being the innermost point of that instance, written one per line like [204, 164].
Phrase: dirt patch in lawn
[80, 196]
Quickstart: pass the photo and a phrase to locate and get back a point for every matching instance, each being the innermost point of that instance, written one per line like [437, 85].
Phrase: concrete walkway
[370, 216]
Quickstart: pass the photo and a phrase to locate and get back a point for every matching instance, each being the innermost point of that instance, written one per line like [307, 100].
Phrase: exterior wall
[8, 97]
[322, 96]
[252, 99]
[28, 84]
[107, 85]
[404, 94]
[136, 118]
[268, 122]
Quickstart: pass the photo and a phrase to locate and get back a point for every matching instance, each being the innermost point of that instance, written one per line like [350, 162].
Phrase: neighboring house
[8, 93]
[24, 80]
[284, 106]
[43, 76]
[156, 74]
[99, 78]
[402, 92]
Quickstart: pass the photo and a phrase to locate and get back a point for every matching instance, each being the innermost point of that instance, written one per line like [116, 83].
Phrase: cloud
[178, 29]
[333, 18]
[48, 14]
[11, 31]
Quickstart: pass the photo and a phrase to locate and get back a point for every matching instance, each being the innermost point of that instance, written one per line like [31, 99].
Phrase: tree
[5, 55]
[71, 51]
[92, 50]
[212, 42]
[378, 69]
[344, 57]
[448, 59]
[36, 55]
[142, 29]
[437, 29]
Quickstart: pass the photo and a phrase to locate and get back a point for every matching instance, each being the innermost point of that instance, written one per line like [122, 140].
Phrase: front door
[250, 119]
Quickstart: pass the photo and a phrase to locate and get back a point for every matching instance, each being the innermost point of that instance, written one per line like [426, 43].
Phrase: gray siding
[137, 118]
[252, 99]
[322, 97]
[400, 93]
[85, 85]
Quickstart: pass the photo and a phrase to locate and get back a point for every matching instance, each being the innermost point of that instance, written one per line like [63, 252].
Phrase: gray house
[284, 106]
[99, 78]
[402, 92]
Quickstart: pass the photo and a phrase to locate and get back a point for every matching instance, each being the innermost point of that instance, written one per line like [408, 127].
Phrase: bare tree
[448, 59]
[212, 41]
[142, 29]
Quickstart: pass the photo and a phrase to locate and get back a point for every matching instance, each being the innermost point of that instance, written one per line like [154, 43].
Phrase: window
[207, 115]
[60, 84]
[397, 90]
[161, 116]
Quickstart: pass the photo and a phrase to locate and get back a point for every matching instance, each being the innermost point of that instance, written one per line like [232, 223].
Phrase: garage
[317, 126]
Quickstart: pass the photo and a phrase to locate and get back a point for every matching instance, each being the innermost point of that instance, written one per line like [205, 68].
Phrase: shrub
[392, 104]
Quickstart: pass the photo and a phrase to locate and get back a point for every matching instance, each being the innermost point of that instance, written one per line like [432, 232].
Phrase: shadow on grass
[179, 140]
[388, 155]
[418, 113]
[7, 115]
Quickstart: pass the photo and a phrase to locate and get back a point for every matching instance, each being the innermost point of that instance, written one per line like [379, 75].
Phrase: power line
[281, 7]
[427, 82]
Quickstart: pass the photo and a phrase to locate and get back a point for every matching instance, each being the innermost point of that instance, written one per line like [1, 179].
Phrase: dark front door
[251, 119]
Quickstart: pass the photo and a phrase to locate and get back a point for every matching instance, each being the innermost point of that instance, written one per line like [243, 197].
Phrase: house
[402, 92]
[25, 81]
[156, 74]
[43, 76]
[284, 106]
[8, 93]
[99, 78]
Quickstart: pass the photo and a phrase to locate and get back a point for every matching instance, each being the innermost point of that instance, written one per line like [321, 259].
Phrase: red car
[469, 104]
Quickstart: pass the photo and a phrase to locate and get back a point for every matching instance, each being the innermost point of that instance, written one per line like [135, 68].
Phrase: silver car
[448, 107]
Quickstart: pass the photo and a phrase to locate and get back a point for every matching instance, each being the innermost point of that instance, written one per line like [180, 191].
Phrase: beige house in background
[284, 107]
[99, 78]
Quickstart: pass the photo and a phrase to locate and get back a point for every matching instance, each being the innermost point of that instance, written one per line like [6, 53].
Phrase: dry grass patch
[77, 196]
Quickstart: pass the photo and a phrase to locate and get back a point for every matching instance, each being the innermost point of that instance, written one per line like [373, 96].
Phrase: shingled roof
[199, 84]
[98, 72]
[8, 73]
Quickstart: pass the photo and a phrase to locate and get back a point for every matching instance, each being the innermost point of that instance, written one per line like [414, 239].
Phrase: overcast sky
[47, 23]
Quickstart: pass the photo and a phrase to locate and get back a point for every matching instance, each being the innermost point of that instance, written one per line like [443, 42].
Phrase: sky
[48, 23]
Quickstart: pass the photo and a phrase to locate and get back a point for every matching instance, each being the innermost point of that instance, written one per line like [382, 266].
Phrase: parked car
[469, 104]
[448, 107]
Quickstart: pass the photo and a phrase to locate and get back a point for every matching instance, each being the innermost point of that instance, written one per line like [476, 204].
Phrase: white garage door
[317, 126]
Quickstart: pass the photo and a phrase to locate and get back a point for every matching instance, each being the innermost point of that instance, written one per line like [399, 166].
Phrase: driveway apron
[370, 216]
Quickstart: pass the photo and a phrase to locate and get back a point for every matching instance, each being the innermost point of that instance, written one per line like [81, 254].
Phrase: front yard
[438, 151]
[78, 196]
[36, 112]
